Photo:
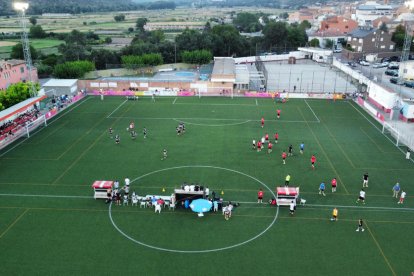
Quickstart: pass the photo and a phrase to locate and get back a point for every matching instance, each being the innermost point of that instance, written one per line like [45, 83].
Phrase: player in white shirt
[402, 196]
[292, 208]
[361, 196]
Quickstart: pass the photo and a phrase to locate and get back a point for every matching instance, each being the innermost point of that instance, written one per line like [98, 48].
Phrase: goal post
[392, 133]
[23, 131]
[31, 126]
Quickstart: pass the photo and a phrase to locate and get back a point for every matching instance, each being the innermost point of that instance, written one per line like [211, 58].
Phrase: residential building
[366, 13]
[323, 37]
[333, 28]
[370, 40]
[14, 71]
[338, 24]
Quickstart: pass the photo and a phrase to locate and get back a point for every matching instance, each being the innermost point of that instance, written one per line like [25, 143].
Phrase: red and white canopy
[102, 184]
[287, 191]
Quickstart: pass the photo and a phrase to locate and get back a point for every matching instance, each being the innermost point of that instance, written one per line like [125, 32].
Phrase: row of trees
[197, 56]
[15, 94]
[73, 69]
[134, 62]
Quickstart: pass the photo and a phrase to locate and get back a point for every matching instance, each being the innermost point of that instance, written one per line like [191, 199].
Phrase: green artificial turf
[50, 223]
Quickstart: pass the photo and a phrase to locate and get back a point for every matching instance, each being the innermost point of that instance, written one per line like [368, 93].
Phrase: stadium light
[20, 6]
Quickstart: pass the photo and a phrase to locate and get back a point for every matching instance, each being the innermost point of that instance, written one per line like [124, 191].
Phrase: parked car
[390, 59]
[352, 64]
[364, 63]
[394, 65]
[390, 72]
[380, 65]
[396, 81]
[409, 83]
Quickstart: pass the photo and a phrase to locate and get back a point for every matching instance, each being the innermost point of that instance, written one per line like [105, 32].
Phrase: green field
[50, 224]
[46, 46]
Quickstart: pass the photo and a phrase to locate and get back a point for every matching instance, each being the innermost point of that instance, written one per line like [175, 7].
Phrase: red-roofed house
[14, 71]
[338, 24]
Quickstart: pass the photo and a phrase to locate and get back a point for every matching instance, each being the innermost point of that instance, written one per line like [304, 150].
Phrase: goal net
[31, 126]
[391, 133]
[398, 135]
[25, 131]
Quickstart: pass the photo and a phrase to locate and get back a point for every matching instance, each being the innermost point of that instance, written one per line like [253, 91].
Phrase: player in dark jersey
[117, 139]
[144, 131]
[133, 134]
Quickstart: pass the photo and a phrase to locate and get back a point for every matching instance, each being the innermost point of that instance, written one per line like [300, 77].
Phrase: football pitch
[50, 224]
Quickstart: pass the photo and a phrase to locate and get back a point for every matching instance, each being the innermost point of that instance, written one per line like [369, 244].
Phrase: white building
[368, 12]
[407, 70]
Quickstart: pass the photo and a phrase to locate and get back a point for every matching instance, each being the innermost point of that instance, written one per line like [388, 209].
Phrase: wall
[12, 74]
[381, 97]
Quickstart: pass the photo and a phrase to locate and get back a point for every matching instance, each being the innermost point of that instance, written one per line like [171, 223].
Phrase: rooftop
[362, 32]
[60, 82]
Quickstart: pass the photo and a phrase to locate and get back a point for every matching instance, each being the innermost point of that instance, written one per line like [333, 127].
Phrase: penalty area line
[116, 108]
[312, 112]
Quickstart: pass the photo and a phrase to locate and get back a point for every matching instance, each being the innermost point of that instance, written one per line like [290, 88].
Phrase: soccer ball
[127, 129]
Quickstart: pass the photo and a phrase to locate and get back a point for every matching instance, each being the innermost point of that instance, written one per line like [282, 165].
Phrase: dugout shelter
[285, 195]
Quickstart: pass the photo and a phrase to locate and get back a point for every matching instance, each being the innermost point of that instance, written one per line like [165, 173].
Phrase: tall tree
[37, 31]
[33, 20]
[398, 36]
[17, 52]
[75, 48]
[245, 20]
[141, 22]
[275, 35]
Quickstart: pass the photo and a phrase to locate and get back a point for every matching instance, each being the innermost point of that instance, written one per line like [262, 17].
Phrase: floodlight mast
[21, 8]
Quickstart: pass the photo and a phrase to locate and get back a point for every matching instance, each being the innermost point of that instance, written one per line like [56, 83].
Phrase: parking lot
[307, 77]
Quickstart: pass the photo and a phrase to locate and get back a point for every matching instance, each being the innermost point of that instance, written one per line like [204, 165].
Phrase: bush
[133, 62]
[15, 94]
[73, 69]
[197, 57]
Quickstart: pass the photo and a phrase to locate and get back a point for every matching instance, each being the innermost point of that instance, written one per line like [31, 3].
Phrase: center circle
[196, 251]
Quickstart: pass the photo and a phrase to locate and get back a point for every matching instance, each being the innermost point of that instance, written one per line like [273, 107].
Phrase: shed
[59, 87]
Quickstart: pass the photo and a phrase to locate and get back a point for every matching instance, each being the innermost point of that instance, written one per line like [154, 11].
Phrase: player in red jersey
[262, 121]
[276, 137]
[259, 146]
[284, 157]
[278, 113]
[333, 183]
[269, 147]
[313, 160]
[260, 196]
[267, 138]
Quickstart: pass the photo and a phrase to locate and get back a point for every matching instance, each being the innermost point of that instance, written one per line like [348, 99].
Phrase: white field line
[212, 119]
[217, 104]
[378, 129]
[40, 129]
[242, 202]
[117, 108]
[175, 100]
[313, 112]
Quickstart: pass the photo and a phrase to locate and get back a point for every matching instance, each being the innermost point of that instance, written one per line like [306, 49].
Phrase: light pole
[21, 7]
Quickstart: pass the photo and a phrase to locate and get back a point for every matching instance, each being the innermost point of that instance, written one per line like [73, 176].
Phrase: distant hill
[82, 6]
